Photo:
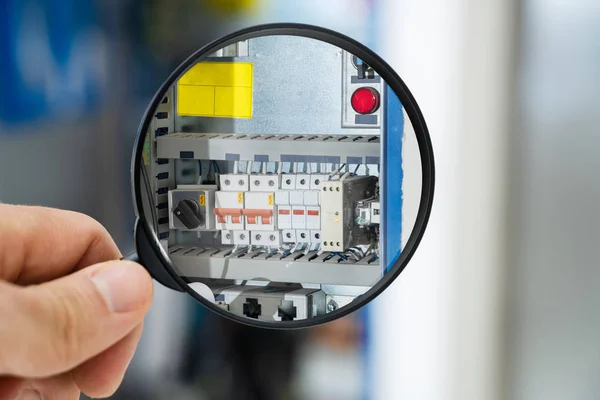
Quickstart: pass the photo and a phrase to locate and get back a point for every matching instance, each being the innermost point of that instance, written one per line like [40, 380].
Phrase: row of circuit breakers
[272, 210]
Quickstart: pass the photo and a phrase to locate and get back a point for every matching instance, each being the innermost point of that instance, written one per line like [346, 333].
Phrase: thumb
[50, 328]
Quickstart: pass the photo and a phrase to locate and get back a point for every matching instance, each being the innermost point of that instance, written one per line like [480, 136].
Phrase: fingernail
[124, 285]
[29, 394]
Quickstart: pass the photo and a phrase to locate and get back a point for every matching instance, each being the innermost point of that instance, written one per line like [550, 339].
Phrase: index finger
[39, 244]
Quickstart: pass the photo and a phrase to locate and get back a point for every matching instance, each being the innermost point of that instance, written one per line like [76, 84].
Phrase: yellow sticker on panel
[270, 201]
[233, 102]
[240, 197]
[202, 200]
[195, 100]
[216, 89]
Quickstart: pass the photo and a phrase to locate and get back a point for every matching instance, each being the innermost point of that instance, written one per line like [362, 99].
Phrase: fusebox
[267, 177]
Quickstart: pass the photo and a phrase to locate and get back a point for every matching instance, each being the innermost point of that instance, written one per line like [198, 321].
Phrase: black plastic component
[163, 236]
[186, 154]
[163, 220]
[163, 190]
[286, 310]
[252, 309]
[162, 175]
[362, 70]
[188, 212]
[150, 259]
[162, 206]
[161, 161]
[161, 132]
[162, 115]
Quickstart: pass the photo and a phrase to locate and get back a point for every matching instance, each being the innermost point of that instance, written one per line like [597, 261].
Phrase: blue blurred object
[53, 59]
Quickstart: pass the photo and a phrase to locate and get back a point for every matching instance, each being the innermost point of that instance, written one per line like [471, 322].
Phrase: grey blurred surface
[554, 285]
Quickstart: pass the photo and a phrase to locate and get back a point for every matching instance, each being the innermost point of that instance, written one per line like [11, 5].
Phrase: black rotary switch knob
[188, 212]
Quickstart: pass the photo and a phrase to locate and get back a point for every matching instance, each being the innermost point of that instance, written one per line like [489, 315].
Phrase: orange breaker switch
[223, 213]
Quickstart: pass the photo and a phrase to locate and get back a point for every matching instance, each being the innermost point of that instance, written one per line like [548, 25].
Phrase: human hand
[71, 316]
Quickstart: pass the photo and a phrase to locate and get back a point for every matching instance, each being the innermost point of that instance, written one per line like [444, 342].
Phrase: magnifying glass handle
[133, 256]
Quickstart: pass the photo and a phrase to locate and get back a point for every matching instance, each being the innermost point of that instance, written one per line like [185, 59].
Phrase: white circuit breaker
[228, 210]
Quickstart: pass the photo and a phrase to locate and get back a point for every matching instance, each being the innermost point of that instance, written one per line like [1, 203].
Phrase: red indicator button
[365, 100]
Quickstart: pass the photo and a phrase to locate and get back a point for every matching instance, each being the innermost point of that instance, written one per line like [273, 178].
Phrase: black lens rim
[393, 81]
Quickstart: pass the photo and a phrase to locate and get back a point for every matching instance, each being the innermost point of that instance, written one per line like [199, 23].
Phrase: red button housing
[365, 100]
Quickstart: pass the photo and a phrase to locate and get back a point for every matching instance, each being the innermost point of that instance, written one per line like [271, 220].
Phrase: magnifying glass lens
[281, 176]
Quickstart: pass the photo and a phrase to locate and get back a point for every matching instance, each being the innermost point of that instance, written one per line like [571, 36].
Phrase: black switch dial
[286, 310]
[252, 309]
[188, 212]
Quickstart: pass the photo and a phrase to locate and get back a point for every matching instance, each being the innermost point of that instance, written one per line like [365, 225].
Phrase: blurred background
[501, 300]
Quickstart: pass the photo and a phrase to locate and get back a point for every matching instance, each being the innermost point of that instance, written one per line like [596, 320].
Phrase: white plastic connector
[302, 182]
[282, 198]
[234, 182]
[227, 237]
[241, 238]
[264, 183]
[303, 236]
[296, 198]
[288, 181]
[316, 179]
[315, 236]
[311, 198]
[271, 239]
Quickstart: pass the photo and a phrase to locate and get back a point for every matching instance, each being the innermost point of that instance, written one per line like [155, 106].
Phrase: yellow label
[202, 200]
[241, 198]
[270, 199]
[216, 89]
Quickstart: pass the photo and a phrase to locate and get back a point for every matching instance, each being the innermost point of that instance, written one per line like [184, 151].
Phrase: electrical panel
[298, 212]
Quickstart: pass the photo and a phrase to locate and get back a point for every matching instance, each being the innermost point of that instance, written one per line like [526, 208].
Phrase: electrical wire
[335, 172]
[150, 197]
[340, 255]
[199, 181]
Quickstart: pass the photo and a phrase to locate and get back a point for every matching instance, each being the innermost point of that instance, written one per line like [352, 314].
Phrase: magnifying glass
[283, 176]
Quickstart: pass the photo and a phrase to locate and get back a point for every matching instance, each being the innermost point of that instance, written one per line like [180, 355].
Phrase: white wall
[436, 332]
